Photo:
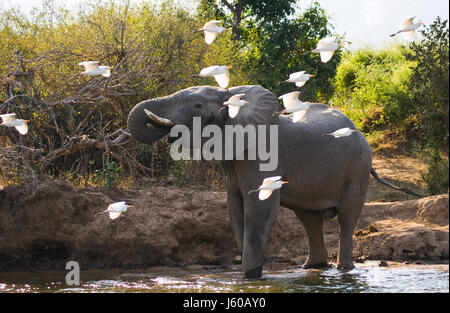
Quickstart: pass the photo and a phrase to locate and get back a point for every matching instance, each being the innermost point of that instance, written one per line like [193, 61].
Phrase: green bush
[372, 87]
[404, 88]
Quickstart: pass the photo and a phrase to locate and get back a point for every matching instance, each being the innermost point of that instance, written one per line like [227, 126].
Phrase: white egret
[299, 78]
[293, 105]
[93, 69]
[10, 120]
[211, 30]
[234, 104]
[268, 186]
[343, 132]
[219, 72]
[326, 47]
[115, 209]
[408, 27]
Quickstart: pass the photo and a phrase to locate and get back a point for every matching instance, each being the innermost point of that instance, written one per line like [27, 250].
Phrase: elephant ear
[259, 111]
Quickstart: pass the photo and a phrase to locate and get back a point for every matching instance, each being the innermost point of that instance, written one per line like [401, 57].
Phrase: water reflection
[365, 278]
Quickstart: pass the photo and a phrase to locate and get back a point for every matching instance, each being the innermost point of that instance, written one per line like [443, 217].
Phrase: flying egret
[219, 72]
[293, 104]
[93, 69]
[10, 120]
[116, 209]
[326, 47]
[299, 78]
[343, 132]
[211, 30]
[408, 27]
[268, 186]
[234, 104]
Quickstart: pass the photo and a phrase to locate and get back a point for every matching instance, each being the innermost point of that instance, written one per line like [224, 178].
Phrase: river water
[366, 278]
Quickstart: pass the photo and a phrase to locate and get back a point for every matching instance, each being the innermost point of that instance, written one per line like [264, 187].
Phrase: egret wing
[114, 215]
[269, 180]
[342, 132]
[117, 205]
[264, 194]
[290, 99]
[326, 56]
[300, 84]
[108, 72]
[210, 37]
[236, 97]
[407, 21]
[208, 71]
[233, 110]
[297, 116]
[408, 35]
[89, 65]
[323, 43]
[8, 117]
[210, 24]
[23, 128]
[222, 79]
[296, 75]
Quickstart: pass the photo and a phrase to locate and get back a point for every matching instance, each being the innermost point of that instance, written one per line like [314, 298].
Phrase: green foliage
[430, 83]
[108, 175]
[274, 42]
[373, 87]
[405, 88]
[274, 52]
[436, 177]
[154, 51]
[180, 171]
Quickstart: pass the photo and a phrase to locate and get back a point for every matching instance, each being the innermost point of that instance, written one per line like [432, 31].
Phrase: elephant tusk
[161, 121]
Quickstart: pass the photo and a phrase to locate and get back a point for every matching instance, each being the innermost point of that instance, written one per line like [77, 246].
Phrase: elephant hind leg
[312, 222]
[349, 209]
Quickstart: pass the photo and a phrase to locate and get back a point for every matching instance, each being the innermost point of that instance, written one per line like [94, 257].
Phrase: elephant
[327, 177]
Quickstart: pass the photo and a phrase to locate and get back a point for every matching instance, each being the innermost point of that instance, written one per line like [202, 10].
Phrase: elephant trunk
[149, 120]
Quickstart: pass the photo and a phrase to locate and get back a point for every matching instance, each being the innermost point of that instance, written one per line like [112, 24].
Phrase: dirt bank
[180, 226]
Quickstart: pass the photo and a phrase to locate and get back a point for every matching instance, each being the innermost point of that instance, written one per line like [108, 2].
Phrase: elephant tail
[406, 190]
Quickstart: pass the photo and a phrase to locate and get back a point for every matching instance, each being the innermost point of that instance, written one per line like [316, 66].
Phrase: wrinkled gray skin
[327, 176]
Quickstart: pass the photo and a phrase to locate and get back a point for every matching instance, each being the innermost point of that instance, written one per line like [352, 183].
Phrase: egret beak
[27, 121]
[229, 66]
[312, 75]
[284, 182]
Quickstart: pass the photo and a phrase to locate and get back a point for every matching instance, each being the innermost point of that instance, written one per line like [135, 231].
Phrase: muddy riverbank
[180, 226]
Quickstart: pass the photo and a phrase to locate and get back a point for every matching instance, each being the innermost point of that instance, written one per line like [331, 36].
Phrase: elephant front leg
[259, 217]
[235, 205]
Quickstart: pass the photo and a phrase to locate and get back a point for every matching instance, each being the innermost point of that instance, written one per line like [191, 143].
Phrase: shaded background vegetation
[78, 129]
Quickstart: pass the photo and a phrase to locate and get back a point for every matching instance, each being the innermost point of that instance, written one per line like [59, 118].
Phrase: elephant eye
[198, 105]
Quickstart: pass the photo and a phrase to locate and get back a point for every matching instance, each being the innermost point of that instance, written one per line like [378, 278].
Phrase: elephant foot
[320, 265]
[347, 267]
[255, 273]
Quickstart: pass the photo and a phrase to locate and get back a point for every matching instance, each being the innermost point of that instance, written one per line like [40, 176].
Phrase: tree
[430, 84]
[263, 12]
